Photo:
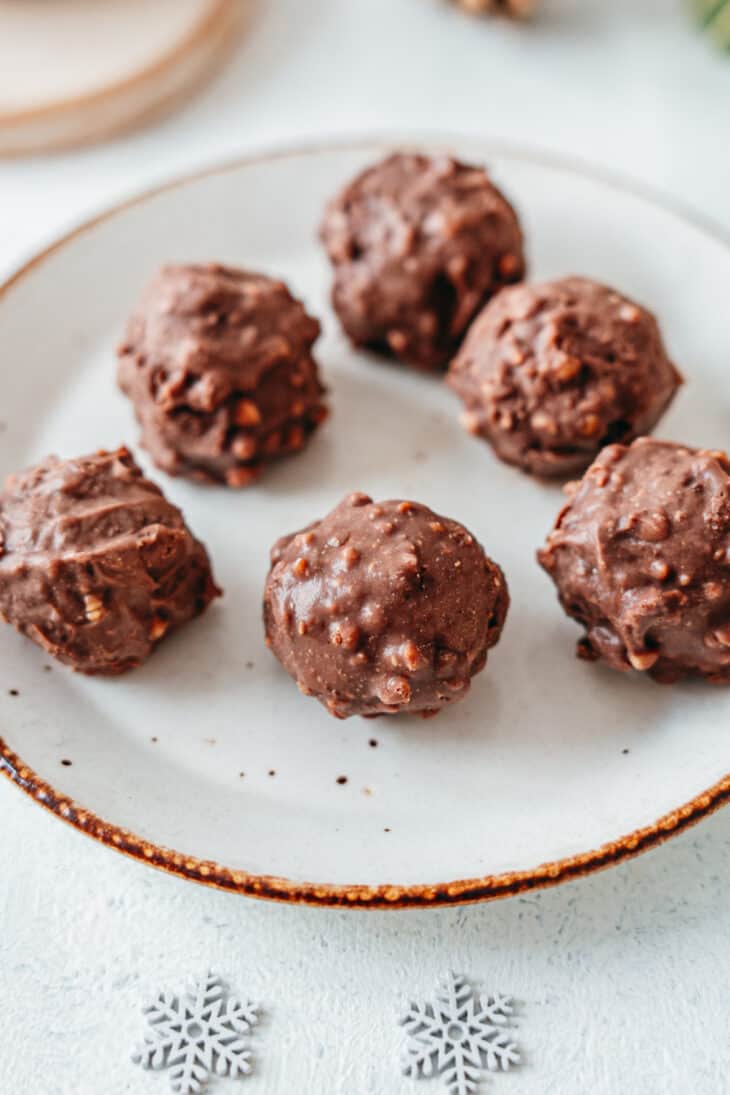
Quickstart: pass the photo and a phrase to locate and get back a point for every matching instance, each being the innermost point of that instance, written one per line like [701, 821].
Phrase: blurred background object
[75, 71]
[715, 15]
[518, 8]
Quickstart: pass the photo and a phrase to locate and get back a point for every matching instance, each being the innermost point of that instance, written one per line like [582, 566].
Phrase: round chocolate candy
[96, 566]
[640, 556]
[418, 244]
[551, 373]
[383, 608]
[219, 368]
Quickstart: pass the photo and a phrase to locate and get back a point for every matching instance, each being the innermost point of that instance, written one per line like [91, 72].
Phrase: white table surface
[623, 979]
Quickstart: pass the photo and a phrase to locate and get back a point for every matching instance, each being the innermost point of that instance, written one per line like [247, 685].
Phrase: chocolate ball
[96, 566]
[218, 365]
[641, 558]
[418, 245]
[383, 609]
[551, 373]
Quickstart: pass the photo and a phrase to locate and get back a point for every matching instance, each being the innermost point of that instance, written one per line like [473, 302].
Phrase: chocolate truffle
[551, 373]
[96, 566]
[641, 558]
[218, 365]
[418, 245]
[383, 609]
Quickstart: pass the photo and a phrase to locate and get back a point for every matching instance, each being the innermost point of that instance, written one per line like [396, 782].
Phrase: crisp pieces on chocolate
[418, 244]
[383, 608]
[218, 365]
[640, 556]
[551, 373]
[96, 566]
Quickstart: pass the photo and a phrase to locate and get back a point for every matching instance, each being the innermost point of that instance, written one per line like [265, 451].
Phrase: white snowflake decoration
[197, 1034]
[458, 1035]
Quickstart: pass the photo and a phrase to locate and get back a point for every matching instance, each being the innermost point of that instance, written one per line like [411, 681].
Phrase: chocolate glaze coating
[383, 609]
[96, 566]
[641, 558]
[551, 373]
[218, 365]
[417, 246]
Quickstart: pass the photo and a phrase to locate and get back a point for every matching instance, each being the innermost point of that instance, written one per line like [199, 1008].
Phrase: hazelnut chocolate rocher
[418, 244]
[218, 365]
[96, 566]
[383, 608]
[551, 373]
[640, 556]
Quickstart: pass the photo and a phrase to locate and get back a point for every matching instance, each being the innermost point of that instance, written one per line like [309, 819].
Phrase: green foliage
[715, 17]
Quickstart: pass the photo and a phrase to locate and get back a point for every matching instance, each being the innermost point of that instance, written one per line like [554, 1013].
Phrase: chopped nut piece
[397, 341]
[246, 413]
[543, 423]
[244, 447]
[567, 368]
[630, 313]
[395, 690]
[653, 527]
[351, 556]
[643, 660]
[242, 476]
[412, 657]
[93, 608]
[659, 570]
[295, 437]
[300, 567]
[344, 634]
[509, 265]
[158, 627]
[590, 425]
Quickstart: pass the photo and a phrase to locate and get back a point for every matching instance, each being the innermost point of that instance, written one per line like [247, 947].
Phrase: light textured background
[624, 978]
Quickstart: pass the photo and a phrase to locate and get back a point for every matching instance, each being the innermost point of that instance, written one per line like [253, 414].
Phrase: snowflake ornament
[458, 1035]
[197, 1034]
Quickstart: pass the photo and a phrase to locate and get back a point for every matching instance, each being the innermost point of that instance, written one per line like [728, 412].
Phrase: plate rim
[358, 895]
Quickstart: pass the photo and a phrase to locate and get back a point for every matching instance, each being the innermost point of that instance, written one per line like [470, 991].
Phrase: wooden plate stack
[75, 71]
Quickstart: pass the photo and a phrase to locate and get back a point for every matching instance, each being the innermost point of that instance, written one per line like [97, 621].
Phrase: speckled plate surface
[208, 761]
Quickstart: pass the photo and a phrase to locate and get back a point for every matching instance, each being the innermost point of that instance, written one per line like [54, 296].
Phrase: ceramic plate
[208, 761]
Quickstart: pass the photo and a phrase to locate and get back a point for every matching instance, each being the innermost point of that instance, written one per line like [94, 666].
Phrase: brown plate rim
[388, 896]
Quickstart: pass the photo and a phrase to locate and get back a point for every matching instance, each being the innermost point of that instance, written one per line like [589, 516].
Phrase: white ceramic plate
[551, 767]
